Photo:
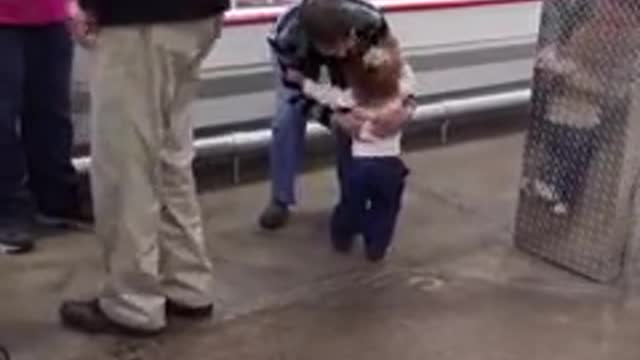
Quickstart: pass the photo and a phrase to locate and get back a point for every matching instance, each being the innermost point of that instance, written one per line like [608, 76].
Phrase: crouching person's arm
[335, 105]
[323, 94]
[339, 106]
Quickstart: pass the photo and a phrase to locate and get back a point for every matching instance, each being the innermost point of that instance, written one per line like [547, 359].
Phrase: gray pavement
[453, 288]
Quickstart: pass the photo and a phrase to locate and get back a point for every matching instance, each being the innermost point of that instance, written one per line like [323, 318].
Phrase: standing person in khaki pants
[147, 56]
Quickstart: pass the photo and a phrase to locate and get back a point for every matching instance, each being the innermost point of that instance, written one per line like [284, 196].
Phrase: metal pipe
[242, 142]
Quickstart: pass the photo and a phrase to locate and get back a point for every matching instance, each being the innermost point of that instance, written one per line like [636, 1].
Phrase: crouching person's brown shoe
[88, 317]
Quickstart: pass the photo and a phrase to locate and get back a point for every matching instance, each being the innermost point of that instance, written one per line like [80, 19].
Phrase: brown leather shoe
[193, 313]
[88, 317]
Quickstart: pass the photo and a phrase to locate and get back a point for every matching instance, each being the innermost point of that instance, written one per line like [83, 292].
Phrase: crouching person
[147, 56]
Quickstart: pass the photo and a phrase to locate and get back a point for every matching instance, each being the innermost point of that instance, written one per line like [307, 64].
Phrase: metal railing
[236, 144]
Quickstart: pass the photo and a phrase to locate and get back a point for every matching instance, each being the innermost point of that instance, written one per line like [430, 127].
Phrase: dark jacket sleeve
[291, 48]
[287, 40]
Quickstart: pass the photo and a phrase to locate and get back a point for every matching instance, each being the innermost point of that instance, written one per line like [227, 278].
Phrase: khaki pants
[147, 214]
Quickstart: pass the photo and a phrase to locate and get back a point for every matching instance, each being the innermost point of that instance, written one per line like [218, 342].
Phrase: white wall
[242, 50]
[245, 45]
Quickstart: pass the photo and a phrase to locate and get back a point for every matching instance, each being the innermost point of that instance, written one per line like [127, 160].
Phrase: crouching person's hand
[292, 78]
[392, 117]
[350, 122]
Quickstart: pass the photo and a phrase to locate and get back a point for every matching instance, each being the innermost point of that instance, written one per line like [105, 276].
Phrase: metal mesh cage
[580, 164]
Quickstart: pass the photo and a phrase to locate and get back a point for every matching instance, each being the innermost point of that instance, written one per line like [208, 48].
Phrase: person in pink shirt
[36, 174]
[33, 12]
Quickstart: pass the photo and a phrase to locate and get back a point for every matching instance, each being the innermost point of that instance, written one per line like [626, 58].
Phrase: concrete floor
[454, 288]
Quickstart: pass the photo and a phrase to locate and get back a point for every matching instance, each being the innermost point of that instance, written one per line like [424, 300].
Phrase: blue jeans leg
[13, 174]
[348, 215]
[385, 183]
[47, 133]
[346, 220]
[344, 161]
[287, 146]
